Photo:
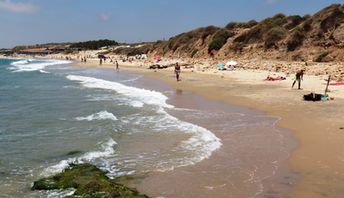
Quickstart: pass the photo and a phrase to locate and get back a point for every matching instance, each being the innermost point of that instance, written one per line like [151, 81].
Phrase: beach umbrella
[231, 63]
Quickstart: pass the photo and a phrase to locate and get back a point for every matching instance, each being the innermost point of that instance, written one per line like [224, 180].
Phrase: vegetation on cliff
[277, 36]
[93, 45]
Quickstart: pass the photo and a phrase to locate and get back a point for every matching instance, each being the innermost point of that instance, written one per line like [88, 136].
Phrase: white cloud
[104, 17]
[18, 7]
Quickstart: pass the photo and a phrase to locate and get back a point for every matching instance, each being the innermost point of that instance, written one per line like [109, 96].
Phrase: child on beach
[177, 70]
[298, 78]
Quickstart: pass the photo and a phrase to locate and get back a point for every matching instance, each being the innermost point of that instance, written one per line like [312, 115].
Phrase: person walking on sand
[298, 78]
[177, 71]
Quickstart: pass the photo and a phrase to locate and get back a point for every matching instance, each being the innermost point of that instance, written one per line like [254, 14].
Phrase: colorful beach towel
[336, 83]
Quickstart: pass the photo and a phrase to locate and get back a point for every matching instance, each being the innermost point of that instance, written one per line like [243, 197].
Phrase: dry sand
[318, 126]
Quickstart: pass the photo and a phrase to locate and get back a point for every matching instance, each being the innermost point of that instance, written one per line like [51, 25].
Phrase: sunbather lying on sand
[269, 78]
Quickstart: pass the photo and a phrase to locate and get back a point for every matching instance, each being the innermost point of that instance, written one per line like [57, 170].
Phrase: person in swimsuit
[298, 78]
[177, 70]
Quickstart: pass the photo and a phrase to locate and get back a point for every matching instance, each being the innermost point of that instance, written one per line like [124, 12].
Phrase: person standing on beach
[117, 65]
[177, 71]
[298, 78]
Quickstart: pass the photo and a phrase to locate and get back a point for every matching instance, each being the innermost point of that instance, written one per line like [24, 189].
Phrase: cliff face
[318, 38]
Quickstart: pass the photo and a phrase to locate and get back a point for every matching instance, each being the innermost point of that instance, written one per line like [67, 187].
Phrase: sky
[25, 22]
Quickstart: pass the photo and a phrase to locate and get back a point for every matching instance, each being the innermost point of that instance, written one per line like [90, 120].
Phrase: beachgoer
[117, 65]
[100, 61]
[177, 70]
[298, 78]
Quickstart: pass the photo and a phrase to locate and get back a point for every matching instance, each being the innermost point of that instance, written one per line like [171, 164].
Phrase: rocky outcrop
[88, 181]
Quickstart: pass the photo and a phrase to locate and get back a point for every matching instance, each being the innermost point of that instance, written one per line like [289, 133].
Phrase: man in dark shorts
[298, 78]
[177, 70]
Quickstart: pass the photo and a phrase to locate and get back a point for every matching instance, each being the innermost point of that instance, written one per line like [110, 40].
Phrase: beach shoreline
[316, 126]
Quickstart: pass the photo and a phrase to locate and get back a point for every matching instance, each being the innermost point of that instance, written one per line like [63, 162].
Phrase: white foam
[27, 65]
[137, 104]
[136, 94]
[59, 193]
[44, 72]
[202, 141]
[103, 115]
[201, 144]
[106, 151]
[20, 62]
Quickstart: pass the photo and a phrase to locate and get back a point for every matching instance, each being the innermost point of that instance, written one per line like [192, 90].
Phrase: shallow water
[53, 114]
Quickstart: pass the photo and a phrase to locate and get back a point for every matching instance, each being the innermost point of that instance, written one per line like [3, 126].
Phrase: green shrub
[252, 35]
[219, 39]
[132, 51]
[277, 20]
[307, 25]
[293, 21]
[175, 42]
[273, 36]
[268, 31]
[208, 31]
[295, 40]
[250, 24]
[233, 25]
[93, 45]
[322, 57]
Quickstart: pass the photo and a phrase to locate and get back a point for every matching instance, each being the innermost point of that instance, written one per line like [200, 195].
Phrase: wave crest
[28, 65]
[103, 115]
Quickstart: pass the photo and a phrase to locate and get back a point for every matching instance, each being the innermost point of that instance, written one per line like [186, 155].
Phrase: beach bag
[312, 97]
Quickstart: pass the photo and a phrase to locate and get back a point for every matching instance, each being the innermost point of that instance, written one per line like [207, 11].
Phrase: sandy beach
[167, 99]
[317, 126]
[315, 167]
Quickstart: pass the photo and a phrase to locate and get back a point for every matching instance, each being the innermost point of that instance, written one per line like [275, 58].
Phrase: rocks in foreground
[88, 181]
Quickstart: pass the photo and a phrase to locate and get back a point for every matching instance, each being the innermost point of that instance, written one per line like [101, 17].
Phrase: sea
[53, 114]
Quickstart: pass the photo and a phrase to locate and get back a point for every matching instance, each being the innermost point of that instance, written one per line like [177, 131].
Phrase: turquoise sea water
[53, 114]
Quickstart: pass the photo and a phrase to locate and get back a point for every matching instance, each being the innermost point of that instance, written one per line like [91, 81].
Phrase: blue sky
[42, 21]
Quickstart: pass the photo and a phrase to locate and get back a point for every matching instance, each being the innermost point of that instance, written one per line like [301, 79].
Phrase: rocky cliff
[318, 38]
